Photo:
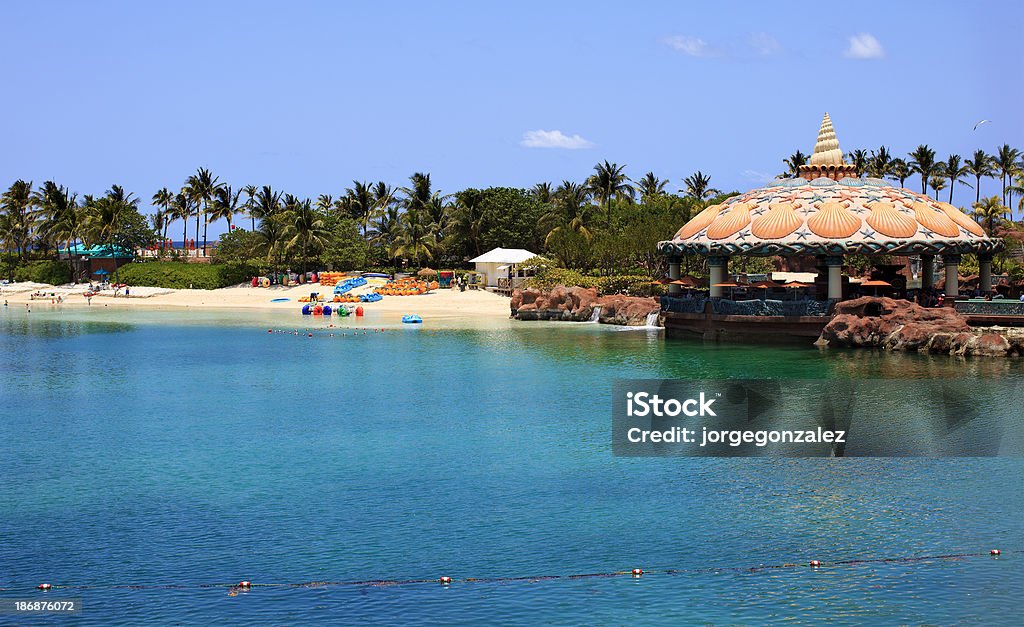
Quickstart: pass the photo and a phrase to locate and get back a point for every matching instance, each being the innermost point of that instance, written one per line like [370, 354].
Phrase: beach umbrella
[729, 285]
[876, 285]
[765, 285]
[796, 285]
[425, 272]
[101, 271]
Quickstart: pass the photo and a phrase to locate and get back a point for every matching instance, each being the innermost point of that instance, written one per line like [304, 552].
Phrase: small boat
[411, 319]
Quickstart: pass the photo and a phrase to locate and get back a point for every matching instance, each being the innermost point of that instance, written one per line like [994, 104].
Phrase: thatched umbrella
[426, 272]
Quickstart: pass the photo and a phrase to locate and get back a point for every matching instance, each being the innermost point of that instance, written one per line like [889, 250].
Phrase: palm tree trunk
[952, 183]
[977, 188]
[206, 224]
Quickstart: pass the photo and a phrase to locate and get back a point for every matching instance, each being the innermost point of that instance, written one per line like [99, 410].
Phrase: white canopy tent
[495, 264]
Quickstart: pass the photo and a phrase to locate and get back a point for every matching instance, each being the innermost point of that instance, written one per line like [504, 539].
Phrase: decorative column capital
[833, 260]
[985, 257]
[951, 259]
[717, 260]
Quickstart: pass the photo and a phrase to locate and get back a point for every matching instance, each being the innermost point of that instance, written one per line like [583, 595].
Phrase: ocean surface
[183, 452]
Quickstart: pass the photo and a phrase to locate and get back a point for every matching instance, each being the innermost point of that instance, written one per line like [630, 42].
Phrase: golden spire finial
[826, 150]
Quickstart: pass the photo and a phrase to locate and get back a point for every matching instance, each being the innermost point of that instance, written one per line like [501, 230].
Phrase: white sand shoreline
[446, 304]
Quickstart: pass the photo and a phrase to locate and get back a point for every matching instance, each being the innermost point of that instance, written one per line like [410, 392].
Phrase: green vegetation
[601, 231]
[172, 274]
[45, 271]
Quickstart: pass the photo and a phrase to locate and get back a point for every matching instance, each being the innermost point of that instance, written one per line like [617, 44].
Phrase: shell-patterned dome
[827, 217]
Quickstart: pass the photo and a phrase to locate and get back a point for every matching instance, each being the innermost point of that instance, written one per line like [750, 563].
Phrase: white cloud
[553, 139]
[756, 176]
[764, 44]
[865, 46]
[692, 46]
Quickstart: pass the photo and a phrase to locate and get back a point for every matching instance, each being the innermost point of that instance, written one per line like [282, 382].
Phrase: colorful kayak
[412, 319]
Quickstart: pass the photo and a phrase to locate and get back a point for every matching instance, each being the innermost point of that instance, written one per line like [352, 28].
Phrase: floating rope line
[636, 573]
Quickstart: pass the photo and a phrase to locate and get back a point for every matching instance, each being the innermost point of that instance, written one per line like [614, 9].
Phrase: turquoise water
[190, 449]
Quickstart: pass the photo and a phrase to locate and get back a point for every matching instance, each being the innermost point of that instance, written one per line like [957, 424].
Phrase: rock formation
[891, 324]
[577, 304]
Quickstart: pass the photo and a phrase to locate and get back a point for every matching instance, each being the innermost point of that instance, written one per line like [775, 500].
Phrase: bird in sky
[980, 123]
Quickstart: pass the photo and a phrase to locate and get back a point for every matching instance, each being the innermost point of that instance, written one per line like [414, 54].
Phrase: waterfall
[652, 319]
[595, 314]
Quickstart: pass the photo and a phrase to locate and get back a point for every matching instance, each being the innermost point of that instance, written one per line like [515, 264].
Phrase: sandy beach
[445, 304]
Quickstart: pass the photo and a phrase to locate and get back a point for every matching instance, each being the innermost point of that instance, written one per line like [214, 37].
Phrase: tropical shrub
[176, 275]
[52, 272]
[631, 285]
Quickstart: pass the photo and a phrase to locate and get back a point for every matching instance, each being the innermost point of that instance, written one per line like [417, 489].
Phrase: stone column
[952, 264]
[927, 271]
[835, 277]
[673, 273]
[985, 272]
[718, 267]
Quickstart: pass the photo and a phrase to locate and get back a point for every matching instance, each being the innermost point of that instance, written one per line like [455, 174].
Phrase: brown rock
[889, 323]
[984, 345]
[577, 304]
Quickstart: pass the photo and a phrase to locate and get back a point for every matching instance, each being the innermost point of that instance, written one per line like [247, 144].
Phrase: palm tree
[182, 210]
[106, 216]
[793, 163]
[163, 198]
[17, 203]
[8, 240]
[272, 236]
[467, 219]
[386, 226]
[542, 192]
[226, 204]
[900, 170]
[1005, 163]
[954, 171]
[415, 236]
[570, 211]
[922, 161]
[361, 203]
[880, 163]
[427, 207]
[989, 211]
[979, 165]
[1018, 188]
[306, 228]
[59, 217]
[250, 200]
[609, 182]
[698, 187]
[937, 183]
[860, 160]
[383, 197]
[650, 186]
[204, 185]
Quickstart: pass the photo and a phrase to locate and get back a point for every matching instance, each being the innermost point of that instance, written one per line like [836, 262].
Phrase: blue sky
[307, 96]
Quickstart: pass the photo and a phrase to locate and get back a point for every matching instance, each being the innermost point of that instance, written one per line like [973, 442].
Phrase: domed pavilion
[829, 212]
